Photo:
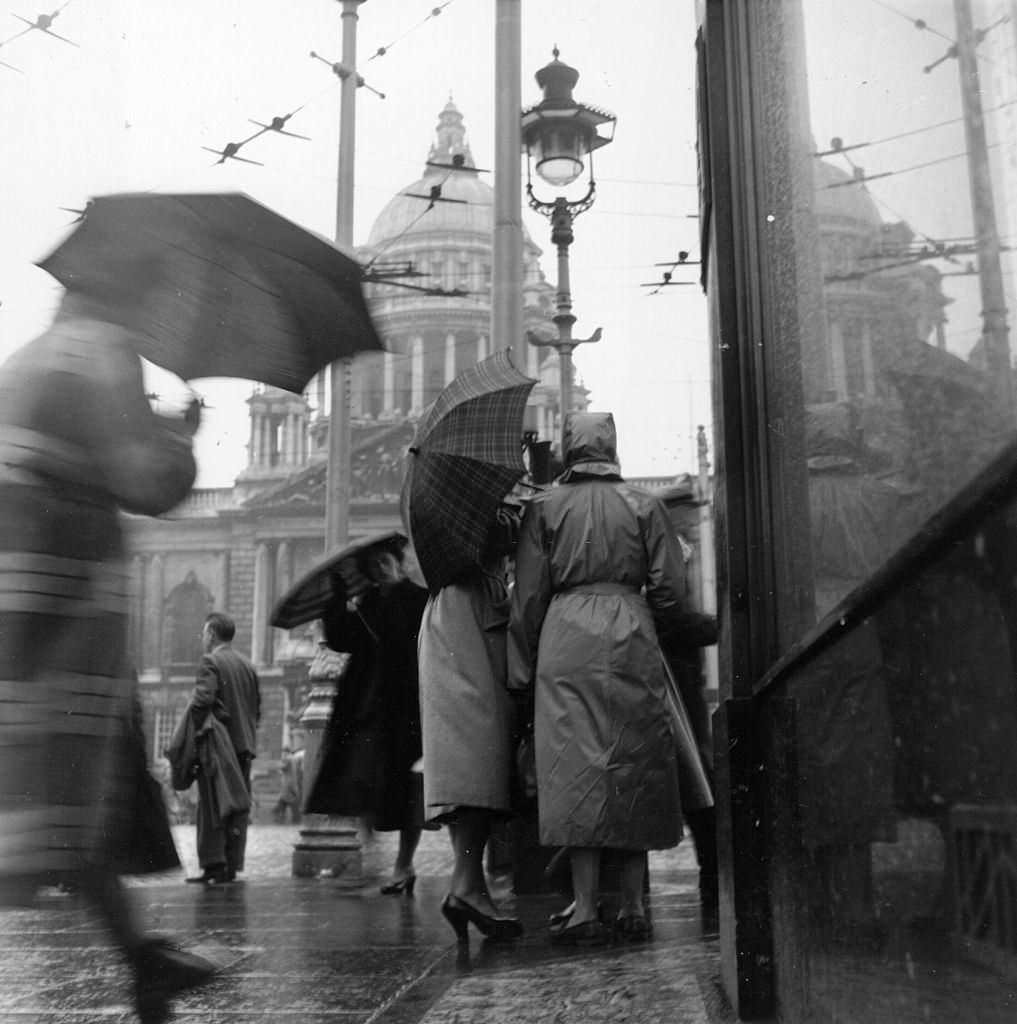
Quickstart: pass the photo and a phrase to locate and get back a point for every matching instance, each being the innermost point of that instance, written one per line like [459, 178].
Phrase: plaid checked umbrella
[467, 455]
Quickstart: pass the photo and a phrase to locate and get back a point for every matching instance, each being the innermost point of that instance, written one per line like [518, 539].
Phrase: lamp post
[558, 135]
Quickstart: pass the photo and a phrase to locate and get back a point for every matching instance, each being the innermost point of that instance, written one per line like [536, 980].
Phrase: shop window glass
[887, 171]
[885, 149]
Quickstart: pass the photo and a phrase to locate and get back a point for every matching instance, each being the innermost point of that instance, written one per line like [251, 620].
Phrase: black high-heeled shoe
[161, 970]
[404, 885]
[629, 927]
[460, 914]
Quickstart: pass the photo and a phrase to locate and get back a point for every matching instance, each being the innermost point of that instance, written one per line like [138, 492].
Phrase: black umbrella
[466, 456]
[218, 286]
[323, 585]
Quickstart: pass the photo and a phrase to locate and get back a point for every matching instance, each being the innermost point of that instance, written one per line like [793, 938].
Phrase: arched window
[187, 607]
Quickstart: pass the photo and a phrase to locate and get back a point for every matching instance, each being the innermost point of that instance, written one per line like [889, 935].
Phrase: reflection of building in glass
[910, 408]
[893, 419]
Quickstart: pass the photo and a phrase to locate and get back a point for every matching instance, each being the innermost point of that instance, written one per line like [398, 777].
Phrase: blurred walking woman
[467, 721]
[78, 442]
[584, 638]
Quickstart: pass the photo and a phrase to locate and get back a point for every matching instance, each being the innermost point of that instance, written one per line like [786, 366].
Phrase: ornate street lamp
[559, 137]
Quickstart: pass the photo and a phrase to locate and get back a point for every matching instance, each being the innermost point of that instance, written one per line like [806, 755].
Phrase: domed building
[429, 254]
[435, 236]
[879, 298]
[890, 413]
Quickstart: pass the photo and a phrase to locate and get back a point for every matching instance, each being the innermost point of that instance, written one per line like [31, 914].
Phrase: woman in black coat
[373, 736]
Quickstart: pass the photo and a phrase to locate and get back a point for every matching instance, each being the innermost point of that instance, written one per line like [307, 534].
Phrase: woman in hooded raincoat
[583, 639]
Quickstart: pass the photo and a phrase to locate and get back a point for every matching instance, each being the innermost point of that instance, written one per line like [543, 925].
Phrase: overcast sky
[148, 84]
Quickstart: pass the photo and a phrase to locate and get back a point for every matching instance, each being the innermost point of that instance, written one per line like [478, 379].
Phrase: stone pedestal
[327, 846]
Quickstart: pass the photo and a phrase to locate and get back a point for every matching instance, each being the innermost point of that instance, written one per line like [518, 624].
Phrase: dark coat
[584, 635]
[182, 752]
[227, 786]
[141, 841]
[229, 678]
[373, 735]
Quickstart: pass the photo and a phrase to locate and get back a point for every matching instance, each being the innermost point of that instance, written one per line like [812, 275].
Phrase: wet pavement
[329, 949]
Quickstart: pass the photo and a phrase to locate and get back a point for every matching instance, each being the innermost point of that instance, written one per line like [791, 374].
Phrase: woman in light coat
[583, 641]
[467, 725]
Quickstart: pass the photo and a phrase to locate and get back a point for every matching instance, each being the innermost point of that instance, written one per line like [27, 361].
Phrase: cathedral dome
[462, 203]
[840, 197]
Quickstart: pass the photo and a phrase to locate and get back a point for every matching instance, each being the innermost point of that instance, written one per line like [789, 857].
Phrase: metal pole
[337, 486]
[990, 274]
[562, 237]
[507, 238]
[329, 845]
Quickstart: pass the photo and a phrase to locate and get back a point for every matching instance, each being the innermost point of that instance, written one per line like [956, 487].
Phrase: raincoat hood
[590, 445]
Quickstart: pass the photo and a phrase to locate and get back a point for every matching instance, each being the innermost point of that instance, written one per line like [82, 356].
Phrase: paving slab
[327, 949]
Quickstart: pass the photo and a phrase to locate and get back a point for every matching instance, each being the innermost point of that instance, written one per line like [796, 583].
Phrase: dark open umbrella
[218, 286]
[323, 584]
[466, 455]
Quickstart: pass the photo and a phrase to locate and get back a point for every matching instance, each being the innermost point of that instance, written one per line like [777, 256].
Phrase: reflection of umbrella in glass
[467, 454]
[218, 286]
[324, 585]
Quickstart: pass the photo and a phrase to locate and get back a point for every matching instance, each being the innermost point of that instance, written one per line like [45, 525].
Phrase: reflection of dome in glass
[837, 199]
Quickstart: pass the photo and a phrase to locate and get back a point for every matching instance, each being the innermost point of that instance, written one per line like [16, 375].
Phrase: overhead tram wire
[340, 73]
[383, 50]
[863, 178]
[918, 23]
[837, 146]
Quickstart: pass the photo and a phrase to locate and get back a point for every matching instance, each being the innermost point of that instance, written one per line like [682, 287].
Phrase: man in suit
[227, 686]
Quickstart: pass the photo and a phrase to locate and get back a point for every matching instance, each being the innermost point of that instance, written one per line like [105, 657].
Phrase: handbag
[328, 666]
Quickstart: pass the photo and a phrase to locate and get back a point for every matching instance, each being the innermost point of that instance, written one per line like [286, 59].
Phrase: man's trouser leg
[236, 825]
[211, 834]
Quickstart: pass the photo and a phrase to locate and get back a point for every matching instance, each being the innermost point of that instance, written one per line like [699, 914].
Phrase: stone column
[262, 573]
[450, 358]
[283, 567]
[320, 399]
[838, 370]
[252, 443]
[290, 439]
[155, 629]
[222, 599]
[417, 378]
[264, 455]
[867, 367]
[388, 371]
[137, 607]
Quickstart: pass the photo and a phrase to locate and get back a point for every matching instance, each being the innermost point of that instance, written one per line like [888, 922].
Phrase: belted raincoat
[583, 632]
